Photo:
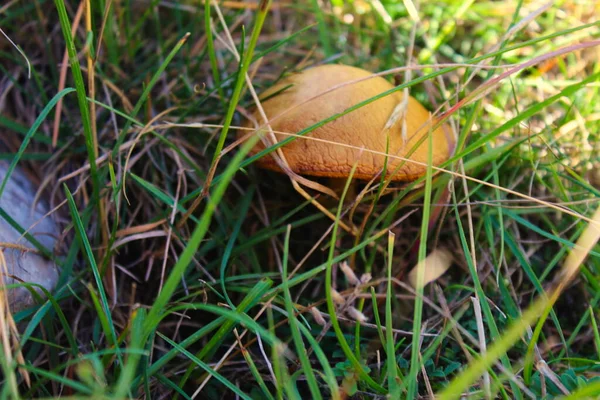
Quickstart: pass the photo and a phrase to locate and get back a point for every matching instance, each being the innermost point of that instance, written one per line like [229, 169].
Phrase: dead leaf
[436, 264]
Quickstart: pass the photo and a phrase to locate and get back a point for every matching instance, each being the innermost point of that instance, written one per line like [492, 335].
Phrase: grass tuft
[188, 272]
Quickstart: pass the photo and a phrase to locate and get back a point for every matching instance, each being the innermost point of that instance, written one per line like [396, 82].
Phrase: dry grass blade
[20, 52]
[139, 229]
[582, 248]
[482, 344]
[9, 335]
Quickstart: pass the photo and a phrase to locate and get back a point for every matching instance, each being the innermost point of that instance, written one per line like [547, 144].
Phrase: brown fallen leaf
[436, 264]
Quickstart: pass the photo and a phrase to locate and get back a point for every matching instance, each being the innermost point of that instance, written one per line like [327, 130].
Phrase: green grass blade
[137, 343]
[241, 76]
[256, 374]
[198, 235]
[589, 391]
[146, 92]
[75, 385]
[331, 305]
[324, 34]
[244, 206]
[206, 368]
[30, 238]
[293, 322]
[251, 299]
[393, 380]
[415, 363]
[85, 244]
[65, 25]
[30, 133]
[212, 345]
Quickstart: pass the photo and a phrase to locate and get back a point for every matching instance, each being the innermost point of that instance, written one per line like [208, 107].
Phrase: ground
[186, 271]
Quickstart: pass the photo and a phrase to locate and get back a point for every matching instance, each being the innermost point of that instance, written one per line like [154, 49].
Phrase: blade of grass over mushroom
[81, 97]
[410, 196]
[358, 368]
[424, 78]
[85, 244]
[293, 322]
[516, 193]
[31, 133]
[538, 310]
[482, 141]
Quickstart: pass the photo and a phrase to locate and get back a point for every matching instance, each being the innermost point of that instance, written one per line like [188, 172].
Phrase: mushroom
[306, 98]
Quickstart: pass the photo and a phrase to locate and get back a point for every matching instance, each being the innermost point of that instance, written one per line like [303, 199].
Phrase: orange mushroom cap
[296, 103]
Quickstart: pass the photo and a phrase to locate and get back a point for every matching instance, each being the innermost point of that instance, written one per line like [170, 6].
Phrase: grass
[187, 272]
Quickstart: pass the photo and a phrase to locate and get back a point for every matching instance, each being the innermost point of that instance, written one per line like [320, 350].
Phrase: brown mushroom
[304, 99]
